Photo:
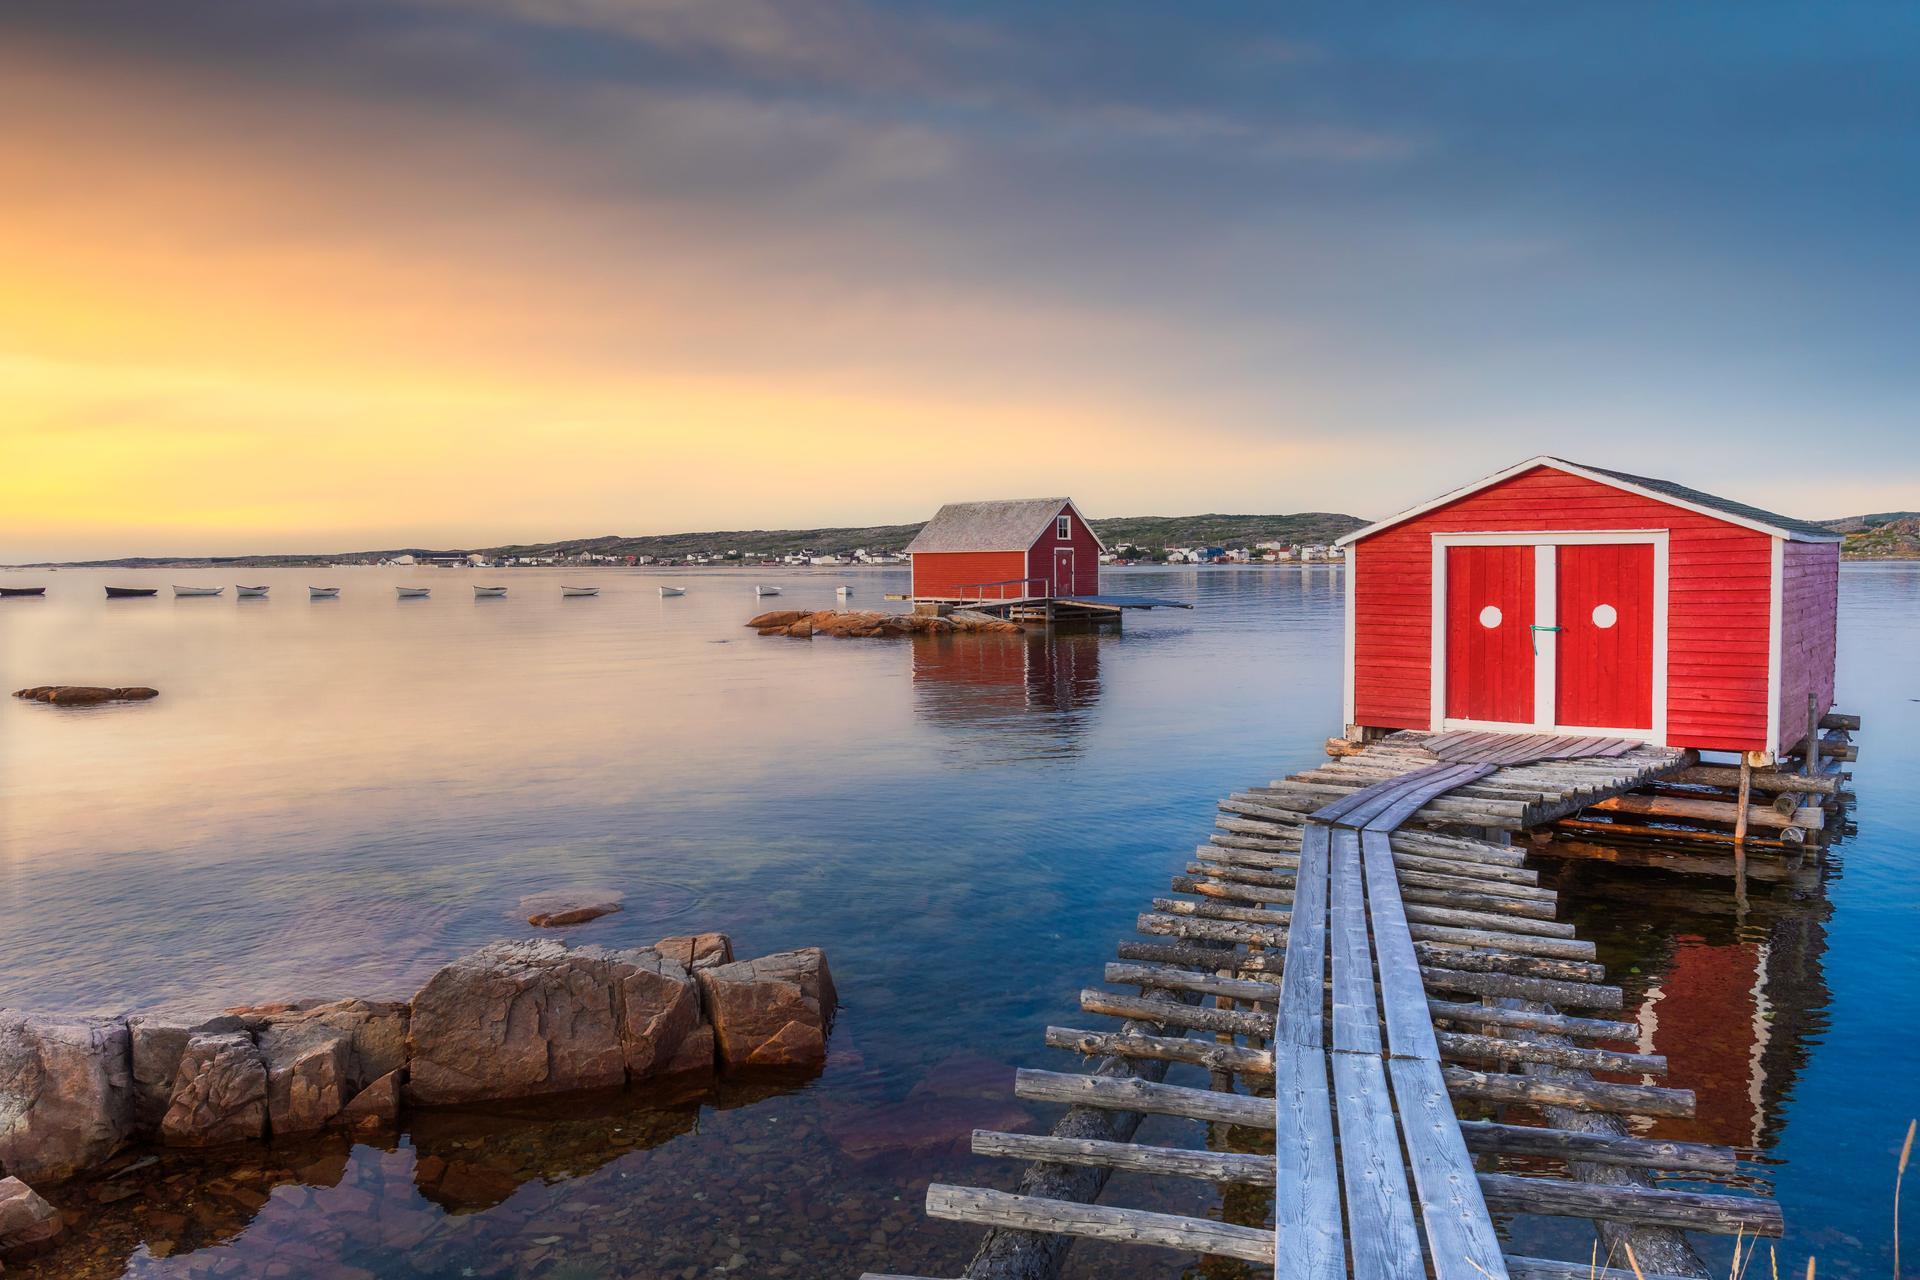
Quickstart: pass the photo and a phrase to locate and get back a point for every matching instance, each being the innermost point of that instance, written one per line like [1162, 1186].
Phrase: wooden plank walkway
[1363, 960]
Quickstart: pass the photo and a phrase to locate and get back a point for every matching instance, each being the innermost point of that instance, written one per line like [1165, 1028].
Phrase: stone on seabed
[27, 1222]
[66, 1093]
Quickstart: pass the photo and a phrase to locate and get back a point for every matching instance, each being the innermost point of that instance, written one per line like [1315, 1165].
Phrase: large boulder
[307, 1065]
[376, 1031]
[697, 950]
[772, 1011]
[776, 618]
[219, 1092]
[27, 1222]
[513, 1020]
[662, 1032]
[158, 1041]
[66, 1093]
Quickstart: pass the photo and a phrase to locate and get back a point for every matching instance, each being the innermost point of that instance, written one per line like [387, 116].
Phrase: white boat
[570, 592]
[843, 592]
[251, 593]
[766, 591]
[488, 593]
[197, 591]
[323, 593]
[672, 591]
[414, 593]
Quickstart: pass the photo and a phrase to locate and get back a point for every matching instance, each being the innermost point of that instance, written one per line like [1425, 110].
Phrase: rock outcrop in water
[85, 695]
[27, 1222]
[552, 910]
[514, 1020]
[866, 623]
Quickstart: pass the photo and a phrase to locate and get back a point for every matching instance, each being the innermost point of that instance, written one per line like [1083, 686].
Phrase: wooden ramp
[1370, 977]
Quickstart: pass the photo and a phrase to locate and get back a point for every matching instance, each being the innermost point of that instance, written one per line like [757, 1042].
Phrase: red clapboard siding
[1086, 557]
[1809, 605]
[1719, 594]
[944, 573]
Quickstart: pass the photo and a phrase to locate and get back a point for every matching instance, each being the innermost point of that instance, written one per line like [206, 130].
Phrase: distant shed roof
[1663, 490]
[1012, 524]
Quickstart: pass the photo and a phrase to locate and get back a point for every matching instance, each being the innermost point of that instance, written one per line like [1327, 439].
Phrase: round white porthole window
[1604, 616]
[1490, 617]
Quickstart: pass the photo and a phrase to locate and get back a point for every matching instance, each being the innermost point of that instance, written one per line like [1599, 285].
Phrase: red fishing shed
[1556, 597]
[1008, 550]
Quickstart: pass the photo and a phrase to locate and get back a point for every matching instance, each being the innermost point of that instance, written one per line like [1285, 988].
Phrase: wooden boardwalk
[1370, 979]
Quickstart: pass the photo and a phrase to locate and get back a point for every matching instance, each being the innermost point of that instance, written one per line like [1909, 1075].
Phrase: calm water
[337, 797]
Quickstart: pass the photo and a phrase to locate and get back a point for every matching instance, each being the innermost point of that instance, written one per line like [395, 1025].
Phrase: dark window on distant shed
[1063, 528]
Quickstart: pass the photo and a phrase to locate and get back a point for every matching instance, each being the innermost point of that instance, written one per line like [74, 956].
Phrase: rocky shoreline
[513, 1021]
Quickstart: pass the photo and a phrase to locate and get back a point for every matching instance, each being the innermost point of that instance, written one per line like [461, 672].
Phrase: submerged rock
[773, 1011]
[27, 1222]
[85, 695]
[219, 1092]
[514, 1020]
[551, 910]
[66, 1093]
[375, 1107]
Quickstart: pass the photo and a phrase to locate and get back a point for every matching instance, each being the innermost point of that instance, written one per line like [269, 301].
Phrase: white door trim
[1547, 649]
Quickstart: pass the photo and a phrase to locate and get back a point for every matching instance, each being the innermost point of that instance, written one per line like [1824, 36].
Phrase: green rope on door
[1536, 639]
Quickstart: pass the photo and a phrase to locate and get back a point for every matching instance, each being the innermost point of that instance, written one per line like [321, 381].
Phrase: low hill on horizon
[1153, 532]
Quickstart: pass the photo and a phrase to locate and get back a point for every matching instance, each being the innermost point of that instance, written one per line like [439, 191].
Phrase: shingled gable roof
[1012, 524]
[1660, 490]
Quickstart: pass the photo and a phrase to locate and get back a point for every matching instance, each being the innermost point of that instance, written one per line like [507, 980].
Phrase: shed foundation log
[1771, 781]
[1131, 1094]
[1009, 1254]
[1202, 1053]
[1166, 926]
[1531, 1019]
[1566, 1091]
[1172, 1014]
[1186, 953]
[1520, 1268]
[1466, 1047]
[1840, 720]
[1483, 960]
[1220, 911]
[1598, 1148]
[1643, 831]
[1098, 1222]
[1640, 1206]
[1207, 1166]
[1575, 995]
[1721, 811]
[1168, 978]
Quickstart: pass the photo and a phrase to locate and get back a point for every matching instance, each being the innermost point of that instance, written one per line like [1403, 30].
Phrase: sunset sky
[327, 275]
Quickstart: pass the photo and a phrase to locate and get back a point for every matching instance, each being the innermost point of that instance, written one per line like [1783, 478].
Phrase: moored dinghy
[843, 592]
[323, 593]
[488, 593]
[413, 593]
[250, 593]
[23, 591]
[571, 592]
[179, 590]
[766, 591]
[128, 593]
[672, 591]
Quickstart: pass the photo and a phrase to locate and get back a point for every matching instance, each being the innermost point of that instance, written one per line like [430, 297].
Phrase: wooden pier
[1376, 972]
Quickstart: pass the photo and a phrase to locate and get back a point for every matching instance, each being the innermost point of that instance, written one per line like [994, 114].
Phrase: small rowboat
[251, 593]
[413, 593]
[843, 592]
[766, 591]
[488, 593]
[571, 592]
[195, 591]
[128, 593]
[23, 591]
[672, 591]
[323, 593]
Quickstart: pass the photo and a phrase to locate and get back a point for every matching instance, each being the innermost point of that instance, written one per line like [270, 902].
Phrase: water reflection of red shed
[1006, 550]
[1709, 1016]
[1555, 597]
